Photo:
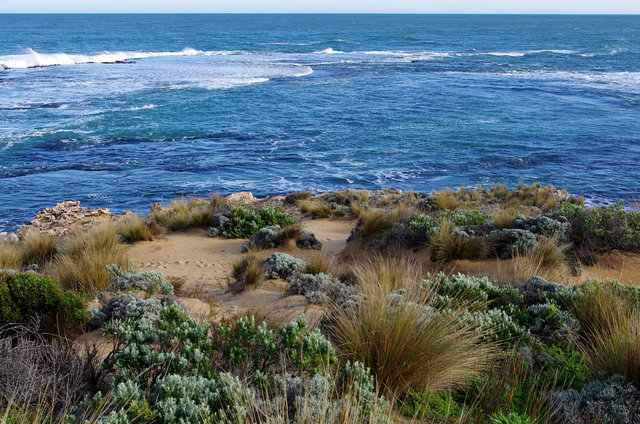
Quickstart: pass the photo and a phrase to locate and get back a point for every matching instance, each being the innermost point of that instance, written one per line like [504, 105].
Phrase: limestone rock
[243, 197]
[60, 219]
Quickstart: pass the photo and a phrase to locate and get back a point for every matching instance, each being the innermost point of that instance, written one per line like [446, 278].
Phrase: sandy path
[205, 263]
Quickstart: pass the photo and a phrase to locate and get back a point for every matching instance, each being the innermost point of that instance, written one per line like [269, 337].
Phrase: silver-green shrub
[149, 281]
[282, 265]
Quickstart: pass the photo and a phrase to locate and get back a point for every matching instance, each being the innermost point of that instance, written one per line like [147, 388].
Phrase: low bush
[242, 222]
[512, 418]
[319, 288]
[282, 265]
[296, 197]
[430, 404]
[152, 282]
[465, 218]
[28, 296]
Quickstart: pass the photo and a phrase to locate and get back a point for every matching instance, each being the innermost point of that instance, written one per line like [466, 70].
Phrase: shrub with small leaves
[264, 238]
[430, 404]
[282, 265]
[512, 418]
[612, 401]
[463, 218]
[469, 289]
[152, 282]
[512, 241]
[242, 222]
[319, 288]
[544, 225]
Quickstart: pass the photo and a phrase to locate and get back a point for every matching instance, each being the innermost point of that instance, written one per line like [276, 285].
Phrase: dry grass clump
[546, 259]
[615, 349]
[247, 271]
[317, 262]
[290, 233]
[448, 245]
[83, 257]
[391, 272]
[294, 198]
[10, 256]
[316, 208]
[446, 200]
[405, 345]
[187, 213]
[610, 324]
[136, 228]
[374, 222]
[38, 248]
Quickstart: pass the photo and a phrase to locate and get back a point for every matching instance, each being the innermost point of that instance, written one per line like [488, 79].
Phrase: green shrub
[26, 295]
[463, 218]
[430, 404]
[243, 221]
[512, 418]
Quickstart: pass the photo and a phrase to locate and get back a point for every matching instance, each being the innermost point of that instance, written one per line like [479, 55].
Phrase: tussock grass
[405, 347]
[294, 198]
[446, 200]
[317, 262]
[374, 222]
[38, 248]
[81, 263]
[289, 233]
[316, 208]
[136, 228]
[182, 214]
[546, 259]
[615, 347]
[390, 272]
[447, 245]
[247, 271]
[10, 256]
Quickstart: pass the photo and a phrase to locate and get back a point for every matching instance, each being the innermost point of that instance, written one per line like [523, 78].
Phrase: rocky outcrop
[59, 219]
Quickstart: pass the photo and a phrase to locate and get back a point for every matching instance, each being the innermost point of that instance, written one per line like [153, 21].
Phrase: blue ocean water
[125, 110]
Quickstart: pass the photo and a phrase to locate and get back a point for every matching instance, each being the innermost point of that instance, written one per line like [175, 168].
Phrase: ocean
[122, 111]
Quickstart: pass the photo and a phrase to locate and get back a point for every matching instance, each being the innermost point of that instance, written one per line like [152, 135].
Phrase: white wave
[526, 52]
[330, 51]
[149, 106]
[33, 59]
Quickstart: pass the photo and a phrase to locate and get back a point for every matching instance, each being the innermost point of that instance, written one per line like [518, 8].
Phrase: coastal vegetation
[474, 306]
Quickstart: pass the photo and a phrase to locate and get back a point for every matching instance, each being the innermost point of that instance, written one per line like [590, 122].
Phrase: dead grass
[546, 259]
[446, 200]
[294, 198]
[81, 263]
[136, 228]
[447, 245]
[10, 256]
[247, 271]
[375, 222]
[290, 233]
[38, 248]
[316, 208]
[182, 214]
[317, 262]
[404, 347]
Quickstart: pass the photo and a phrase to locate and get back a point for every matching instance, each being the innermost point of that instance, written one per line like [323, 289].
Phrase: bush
[611, 401]
[264, 238]
[465, 218]
[512, 418]
[604, 228]
[249, 348]
[242, 222]
[26, 295]
[545, 226]
[282, 265]
[430, 404]
[152, 282]
[512, 242]
[319, 288]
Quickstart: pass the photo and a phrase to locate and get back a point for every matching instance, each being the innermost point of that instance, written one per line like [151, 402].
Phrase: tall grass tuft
[406, 343]
[10, 256]
[38, 248]
[136, 228]
[546, 259]
[316, 208]
[448, 245]
[375, 221]
[81, 265]
[446, 200]
[247, 271]
[319, 262]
